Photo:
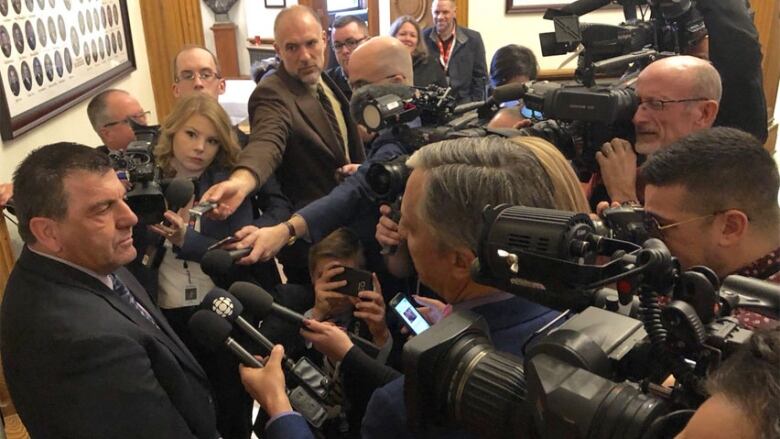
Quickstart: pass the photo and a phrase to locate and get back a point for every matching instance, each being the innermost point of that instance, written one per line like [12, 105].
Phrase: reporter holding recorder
[197, 142]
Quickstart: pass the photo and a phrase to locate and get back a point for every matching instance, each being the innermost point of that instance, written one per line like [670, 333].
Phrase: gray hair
[706, 82]
[465, 175]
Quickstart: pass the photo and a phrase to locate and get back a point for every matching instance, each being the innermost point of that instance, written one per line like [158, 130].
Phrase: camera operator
[440, 220]
[744, 394]
[712, 198]
[110, 113]
[678, 95]
[381, 60]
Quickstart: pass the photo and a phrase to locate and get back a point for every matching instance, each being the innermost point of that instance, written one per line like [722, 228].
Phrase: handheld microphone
[260, 303]
[217, 262]
[212, 331]
[178, 194]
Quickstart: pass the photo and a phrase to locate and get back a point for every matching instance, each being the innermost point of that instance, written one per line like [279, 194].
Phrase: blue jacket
[511, 323]
[467, 69]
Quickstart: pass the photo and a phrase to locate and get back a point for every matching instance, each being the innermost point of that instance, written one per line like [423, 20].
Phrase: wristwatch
[291, 230]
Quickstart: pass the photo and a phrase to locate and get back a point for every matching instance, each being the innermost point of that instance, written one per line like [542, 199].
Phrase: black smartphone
[357, 281]
[406, 310]
[224, 241]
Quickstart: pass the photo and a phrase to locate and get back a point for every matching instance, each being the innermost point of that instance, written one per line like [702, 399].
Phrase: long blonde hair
[185, 108]
[568, 191]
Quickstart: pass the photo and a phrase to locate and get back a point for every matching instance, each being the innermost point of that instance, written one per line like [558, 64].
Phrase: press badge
[190, 292]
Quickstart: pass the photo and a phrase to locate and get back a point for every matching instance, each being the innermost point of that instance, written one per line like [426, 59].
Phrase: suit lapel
[313, 113]
[65, 274]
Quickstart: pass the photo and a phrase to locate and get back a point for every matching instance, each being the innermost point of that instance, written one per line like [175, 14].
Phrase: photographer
[110, 113]
[712, 198]
[677, 96]
[744, 394]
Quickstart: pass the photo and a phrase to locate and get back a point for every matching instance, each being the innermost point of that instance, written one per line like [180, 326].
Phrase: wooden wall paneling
[419, 9]
[373, 17]
[14, 429]
[767, 20]
[168, 26]
[462, 12]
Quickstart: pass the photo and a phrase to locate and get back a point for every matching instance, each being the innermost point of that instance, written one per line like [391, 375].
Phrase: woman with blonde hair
[568, 191]
[197, 141]
[426, 69]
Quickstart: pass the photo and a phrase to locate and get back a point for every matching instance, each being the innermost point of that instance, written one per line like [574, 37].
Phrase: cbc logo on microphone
[223, 306]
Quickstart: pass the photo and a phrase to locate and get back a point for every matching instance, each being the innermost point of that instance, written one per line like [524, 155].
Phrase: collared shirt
[334, 102]
[105, 280]
[446, 46]
[766, 268]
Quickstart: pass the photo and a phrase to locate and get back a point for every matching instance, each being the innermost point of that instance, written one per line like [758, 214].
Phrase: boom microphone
[218, 262]
[582, 7]
[260, 303]
[503, 93]
[213, 331]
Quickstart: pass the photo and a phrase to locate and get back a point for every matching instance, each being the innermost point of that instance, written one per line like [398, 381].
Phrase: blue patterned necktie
[124, 293]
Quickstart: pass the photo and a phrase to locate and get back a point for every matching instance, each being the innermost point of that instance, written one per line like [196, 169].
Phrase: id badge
[190, 293]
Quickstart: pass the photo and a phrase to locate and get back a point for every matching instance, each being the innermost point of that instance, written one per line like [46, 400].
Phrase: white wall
[499, 29]
[73, 124]
[251, 18]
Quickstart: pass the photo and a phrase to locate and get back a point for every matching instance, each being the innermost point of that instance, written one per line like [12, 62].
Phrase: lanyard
[444, 59]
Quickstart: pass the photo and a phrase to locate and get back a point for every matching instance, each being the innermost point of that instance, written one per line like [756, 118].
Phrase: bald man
[301, 127]
[678, 96]
[380, 60]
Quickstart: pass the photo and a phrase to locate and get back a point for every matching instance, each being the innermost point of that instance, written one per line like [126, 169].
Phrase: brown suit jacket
[291, 135]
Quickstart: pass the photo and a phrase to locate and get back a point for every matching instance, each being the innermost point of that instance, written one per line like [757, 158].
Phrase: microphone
[228, 307]
[582, 7]
[212, 331]
[217, 262]
[260, 303]
[178, 194]
[503, 93]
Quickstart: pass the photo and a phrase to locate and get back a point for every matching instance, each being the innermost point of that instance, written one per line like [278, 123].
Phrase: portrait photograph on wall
[57, 53]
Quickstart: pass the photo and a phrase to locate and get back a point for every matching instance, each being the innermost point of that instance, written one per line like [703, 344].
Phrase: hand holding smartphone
[357, 281]
[405, 309]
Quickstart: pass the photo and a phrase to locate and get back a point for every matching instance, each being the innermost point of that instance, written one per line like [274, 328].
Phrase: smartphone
[408, 313]
[357, 281]
[224, 241]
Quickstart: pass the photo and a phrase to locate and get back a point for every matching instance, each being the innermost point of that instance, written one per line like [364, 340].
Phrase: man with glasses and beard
[712, 198]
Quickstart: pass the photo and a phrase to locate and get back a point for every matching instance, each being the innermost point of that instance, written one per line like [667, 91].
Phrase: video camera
[598, 374]
[136, 166]
[580, 118]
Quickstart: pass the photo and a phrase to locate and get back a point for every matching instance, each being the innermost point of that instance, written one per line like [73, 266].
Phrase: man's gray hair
[465, 175]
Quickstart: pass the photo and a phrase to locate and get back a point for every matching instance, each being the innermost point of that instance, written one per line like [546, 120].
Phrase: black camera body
[136, 166]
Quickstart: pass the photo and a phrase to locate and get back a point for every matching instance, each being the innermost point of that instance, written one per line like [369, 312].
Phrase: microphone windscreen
[216, 263]
[509, 92]
[224, 304]
[257, 300]
[178, 193]
[209, 329]
[367, 93]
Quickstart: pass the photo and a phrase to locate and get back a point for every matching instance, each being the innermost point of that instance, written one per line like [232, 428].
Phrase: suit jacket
[467, 68]
[292, 136]
[340, 78]
[82, 363]
[511, 323]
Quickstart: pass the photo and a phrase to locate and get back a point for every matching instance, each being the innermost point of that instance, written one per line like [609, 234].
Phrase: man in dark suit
[460, 52]
[84, 350]
[348, 33]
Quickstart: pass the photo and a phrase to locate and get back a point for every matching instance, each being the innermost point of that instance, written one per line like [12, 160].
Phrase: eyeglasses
[350, 44]
[139, 118]
[660, 104]
[656, 230]
[203, 75]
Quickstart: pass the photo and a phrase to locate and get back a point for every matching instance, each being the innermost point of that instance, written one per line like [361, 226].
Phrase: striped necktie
[124, 293]
[328, 108]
